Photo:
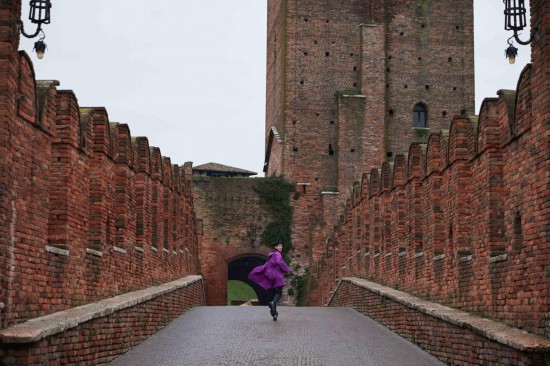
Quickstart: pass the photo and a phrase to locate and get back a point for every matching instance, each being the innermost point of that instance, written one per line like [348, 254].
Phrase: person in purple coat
[270, 276]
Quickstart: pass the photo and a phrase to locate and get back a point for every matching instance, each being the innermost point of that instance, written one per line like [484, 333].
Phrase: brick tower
[350, 83]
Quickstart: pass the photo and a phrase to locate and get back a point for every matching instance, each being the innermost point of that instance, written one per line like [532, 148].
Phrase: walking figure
[270, 276]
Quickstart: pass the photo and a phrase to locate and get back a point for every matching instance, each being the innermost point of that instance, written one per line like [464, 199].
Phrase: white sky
[190, 75]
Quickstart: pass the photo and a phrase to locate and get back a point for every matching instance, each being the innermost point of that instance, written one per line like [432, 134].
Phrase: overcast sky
[190, 75]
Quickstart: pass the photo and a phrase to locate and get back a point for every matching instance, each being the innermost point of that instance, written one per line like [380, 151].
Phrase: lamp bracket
[516, 37]
[22, 29]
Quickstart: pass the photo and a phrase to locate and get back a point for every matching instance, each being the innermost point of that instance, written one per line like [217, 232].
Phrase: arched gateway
[233, 218]
[238, 269]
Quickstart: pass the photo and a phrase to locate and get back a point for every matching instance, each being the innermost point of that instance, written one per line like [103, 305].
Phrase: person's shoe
[275, 315]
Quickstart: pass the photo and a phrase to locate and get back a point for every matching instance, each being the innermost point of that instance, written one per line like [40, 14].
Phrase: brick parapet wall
[455, 337]
[77, 201]
[464, 221]
[99, 332]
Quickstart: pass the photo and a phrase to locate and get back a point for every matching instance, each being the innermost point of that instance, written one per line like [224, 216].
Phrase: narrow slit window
[517, 239]
[420, 116]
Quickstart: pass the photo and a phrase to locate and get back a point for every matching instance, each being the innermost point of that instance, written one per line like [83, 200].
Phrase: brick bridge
[101, 246]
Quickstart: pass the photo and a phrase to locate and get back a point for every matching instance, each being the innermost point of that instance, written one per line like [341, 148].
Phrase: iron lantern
[515, 18]
[39, 13]
[511, 52]
[40, 48]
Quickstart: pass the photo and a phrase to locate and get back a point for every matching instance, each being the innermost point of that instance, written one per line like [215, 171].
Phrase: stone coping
[498, 332]
[35, 329]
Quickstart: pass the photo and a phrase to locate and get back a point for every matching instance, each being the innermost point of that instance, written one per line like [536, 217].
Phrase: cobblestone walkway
[246, 335]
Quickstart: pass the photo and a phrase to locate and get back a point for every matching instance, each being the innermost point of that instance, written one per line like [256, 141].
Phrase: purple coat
[270, 274]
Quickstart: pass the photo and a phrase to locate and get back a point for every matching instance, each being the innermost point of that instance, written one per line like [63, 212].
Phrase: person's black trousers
[276, 293]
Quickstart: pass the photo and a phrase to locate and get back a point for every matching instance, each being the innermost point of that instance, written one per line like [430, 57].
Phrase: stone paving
[246, 335]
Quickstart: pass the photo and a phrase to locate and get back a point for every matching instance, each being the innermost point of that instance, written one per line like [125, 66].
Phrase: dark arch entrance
[239, 268]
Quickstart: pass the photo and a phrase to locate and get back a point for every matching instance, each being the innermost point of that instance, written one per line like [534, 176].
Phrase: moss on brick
[350, 91]
[275, 193]
[421, 134]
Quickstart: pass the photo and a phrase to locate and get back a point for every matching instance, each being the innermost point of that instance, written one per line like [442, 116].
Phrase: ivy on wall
[301, 284]
[275, 194]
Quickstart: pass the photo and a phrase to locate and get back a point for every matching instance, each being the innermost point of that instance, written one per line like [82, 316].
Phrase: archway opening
[239, 293]
[239, 269]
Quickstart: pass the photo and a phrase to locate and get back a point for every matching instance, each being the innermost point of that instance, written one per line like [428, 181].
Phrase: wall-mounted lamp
[40, 47]
[511, 52]
[39, 13]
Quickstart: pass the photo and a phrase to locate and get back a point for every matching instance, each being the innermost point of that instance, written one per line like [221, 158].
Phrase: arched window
[420, 116]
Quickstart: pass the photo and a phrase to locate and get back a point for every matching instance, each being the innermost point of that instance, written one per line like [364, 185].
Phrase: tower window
[420, 116]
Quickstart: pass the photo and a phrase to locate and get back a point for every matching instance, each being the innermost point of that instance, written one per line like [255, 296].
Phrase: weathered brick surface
[342, 82]
[396, 54]
[455, 338]
[473, 232]
[102, 339]
[88, 211]
[234, 218]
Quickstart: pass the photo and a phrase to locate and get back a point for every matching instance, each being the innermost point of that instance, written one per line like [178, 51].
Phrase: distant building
[219, 170]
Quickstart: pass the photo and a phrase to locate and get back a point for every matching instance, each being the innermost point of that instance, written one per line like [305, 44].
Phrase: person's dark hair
[275, 243]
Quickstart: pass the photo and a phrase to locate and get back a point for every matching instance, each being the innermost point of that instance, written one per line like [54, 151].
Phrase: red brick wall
[309, 79]
[233, 220]
[452, 343]
[100, 340]
[429, 59]
[403, 53]
[275, 94]
[342, 82]
[305, 215]
[465, 221]
[76, 198]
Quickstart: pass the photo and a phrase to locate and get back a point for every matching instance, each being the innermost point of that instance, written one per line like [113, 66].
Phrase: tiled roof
[215, 167]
